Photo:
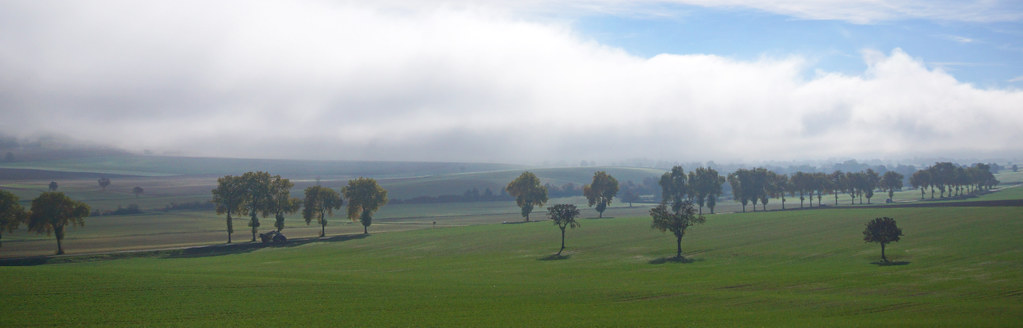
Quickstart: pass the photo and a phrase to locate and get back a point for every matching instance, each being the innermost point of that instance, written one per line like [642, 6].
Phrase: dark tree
[52, 211]
[103, 183]
[258, 197]
[563, 216]
[528, 192]
[777, 185]
[281, 202]
[229, 198]
[870, 183]
[364, 197]
[738, 191]
[801, 183]
[629, 195]
[674, 187]
[137, 191]
[705, 184]
[676, 220]
[53, 185]
[838, 183]
[12, 214]
[891, 181]
[318, 203]
[601, 191]
[920, 179]
[882, 230]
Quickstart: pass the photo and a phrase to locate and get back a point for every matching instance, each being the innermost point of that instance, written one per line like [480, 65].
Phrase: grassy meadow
[454, 264]
[954, 267]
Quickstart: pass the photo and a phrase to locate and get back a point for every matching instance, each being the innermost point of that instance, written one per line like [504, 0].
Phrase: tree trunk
[678, 253]
[365, 230]
[230, 227]
[60, 250]
[882, 254]
[562, 241]
[323, 229]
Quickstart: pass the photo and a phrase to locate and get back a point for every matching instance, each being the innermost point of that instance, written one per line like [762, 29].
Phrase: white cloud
[855, 11]
[1016, 79]
[348, 81]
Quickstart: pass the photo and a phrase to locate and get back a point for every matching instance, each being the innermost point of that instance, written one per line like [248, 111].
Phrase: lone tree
[53, 186]
[318, 203]
[137, 191]
[563, 216]
[601, 191]
[882, 230]
[364, 197]
[528, 192]
[11, 213]
[682, 215]
[103, 182]
[51, 211]
[229, 198]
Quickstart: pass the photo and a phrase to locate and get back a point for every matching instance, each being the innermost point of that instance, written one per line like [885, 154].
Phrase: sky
[519, 81]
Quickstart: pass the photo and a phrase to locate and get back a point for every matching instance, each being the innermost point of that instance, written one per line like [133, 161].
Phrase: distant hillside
[142, 165]
[457, 184]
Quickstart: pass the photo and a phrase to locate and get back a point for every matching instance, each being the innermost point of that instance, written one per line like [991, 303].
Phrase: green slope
[960, 267]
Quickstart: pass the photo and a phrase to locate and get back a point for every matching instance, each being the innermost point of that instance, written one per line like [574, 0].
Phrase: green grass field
[958, 267]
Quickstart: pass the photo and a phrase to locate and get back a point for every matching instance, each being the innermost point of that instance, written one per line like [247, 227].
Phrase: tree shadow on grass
[894, 263]
[555, 257]
[227, 249]
[188, 252]
[673, 259]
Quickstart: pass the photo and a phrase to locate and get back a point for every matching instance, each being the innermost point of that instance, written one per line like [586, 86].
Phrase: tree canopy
[364, 197]
[601, 191]
[52, 211]
[12, 214]
[528, 192]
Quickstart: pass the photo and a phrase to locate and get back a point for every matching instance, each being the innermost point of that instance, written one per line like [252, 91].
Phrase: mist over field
[514, 83]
